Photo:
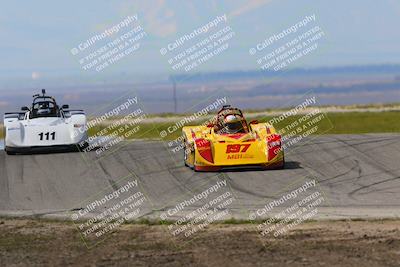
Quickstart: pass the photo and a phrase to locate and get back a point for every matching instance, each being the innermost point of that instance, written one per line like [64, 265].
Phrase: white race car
[44, 127]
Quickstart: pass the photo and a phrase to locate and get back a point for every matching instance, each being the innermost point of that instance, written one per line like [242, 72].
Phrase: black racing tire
[283, 163]
[185, 156]
[194, 161]
[81, 148]
[184, 153]
[10, 152]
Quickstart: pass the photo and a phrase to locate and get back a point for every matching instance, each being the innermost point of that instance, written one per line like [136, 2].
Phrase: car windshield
[44, 109]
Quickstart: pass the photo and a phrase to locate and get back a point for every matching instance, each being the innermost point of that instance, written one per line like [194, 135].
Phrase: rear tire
[185, 153]
[81, 148]
[283, 164]
[194, 161]
[10, 152]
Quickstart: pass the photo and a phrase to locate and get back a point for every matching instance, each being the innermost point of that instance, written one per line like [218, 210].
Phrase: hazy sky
[37, 36]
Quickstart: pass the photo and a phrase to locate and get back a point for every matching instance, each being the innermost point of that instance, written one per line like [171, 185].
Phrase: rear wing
[70, 112]
[14, 116]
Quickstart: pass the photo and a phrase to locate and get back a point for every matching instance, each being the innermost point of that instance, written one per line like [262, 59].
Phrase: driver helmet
[43, 109]
[233, 124]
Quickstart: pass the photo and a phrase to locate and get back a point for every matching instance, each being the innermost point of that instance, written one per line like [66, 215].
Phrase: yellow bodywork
[231, 150]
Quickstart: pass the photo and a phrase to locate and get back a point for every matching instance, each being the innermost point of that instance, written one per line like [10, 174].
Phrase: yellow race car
[229, 142]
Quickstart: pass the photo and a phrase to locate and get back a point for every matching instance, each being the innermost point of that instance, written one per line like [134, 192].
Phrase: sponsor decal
[237, 151]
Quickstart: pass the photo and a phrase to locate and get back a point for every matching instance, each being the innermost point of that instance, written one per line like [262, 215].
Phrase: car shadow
[292, 165]
[46, 151]
[289, 165]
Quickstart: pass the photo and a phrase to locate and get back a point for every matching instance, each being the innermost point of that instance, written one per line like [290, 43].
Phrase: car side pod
[274, 146]
[204, 149]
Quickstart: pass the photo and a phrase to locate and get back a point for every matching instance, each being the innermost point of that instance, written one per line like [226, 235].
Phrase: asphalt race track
[359, 176]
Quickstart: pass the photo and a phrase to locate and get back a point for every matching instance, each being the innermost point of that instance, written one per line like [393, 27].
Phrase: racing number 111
[47, 136]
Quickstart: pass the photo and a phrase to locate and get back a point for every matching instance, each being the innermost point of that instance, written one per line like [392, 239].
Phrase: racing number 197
[237, 148]
[47, 136]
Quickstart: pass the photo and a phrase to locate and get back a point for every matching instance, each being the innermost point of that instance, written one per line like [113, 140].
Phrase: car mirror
[25, 109]
[65, 107]
[254, 122]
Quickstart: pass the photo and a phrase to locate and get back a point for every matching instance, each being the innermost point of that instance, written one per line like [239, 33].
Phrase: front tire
[282, 165]
[82, 147]
[10, 152]
[185, 153]
[188, 155]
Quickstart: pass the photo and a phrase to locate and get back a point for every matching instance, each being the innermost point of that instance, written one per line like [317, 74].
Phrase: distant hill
[321, 71]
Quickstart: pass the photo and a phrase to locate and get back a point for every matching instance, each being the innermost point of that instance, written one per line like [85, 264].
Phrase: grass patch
[336, 123]
[352, 122]
[343, 123]
[365, 122]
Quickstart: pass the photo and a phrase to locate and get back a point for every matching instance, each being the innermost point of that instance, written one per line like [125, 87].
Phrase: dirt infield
[26, 242]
